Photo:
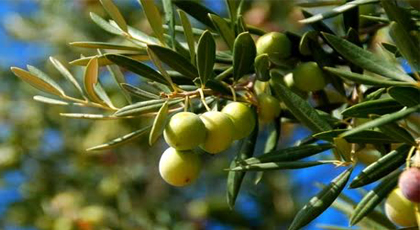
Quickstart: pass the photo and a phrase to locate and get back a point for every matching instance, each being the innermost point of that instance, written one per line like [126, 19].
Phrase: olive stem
[410, 154]
[203, 99]
[232, 90]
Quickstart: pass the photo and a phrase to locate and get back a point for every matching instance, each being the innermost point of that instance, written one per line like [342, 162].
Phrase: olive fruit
[268, 107]
[290, 83]
[242, 117]
[274, 43]
[309, 77]
[184, 131]
[179, 168]
[400, 210]
[220, 129]
[409, 184]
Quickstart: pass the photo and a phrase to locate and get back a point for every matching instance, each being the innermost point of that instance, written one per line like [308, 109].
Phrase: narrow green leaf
[196, 10]
[273, 136]
[365, 59]
[156, 61]
[300, 108]
[38, 80]
[379, 107]
[288, 154]
[63, 70]
[154, 18]
[120, 140]
[396, 132]
[105, 45]
[51, 101]
[224, 30]
[375, 95]
[103, 61]
[144, 107]
[159, 123]
[337, 11]
[233, 9]
[188, 33]
[90, 79]
[136, 67]
[206, 52]
[382, 167]
[365, 79]
[278, 165]
[115, 14]
[175, 61]
[319, 25]
[374, 198]
[119, 79]
[244, 52]
[362, 137]
[104, 24]
[103, 95]
[139, 92]
[321, 201]
[234, 179]
[170, 19]
[407, 44]
[408, 96]
[89, 116]
[385, 119]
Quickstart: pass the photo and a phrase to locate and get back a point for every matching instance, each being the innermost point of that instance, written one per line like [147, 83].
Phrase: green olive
[268, 107]
[309, 77]
[220, 129]
[400, 210]
[184, 131]
[290, 83]
[179, 168]
[242, 117]
[274, 43]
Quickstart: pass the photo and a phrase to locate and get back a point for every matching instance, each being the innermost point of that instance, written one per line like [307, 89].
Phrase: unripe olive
[184, 131]
[289, 82]
[274, 43]
[179, 168]
[268, 107]
[400, 210]
[309, 77]
[242, 117]
[220, 129]
[409, 183]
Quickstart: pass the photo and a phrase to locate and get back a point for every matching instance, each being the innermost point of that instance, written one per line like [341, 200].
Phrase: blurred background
[49, 181]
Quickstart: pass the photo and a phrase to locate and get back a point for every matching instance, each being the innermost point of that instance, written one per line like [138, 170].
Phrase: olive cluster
[212, 131]
[400, 205]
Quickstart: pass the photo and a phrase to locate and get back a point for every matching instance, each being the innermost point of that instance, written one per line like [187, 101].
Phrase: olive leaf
[362, 137]
[66, 73]
[408, 96]
[206, 52]
[381, 167]
[300, 108]
[321, 201]
[374, 197]
[196, 10]
[396, 132]
[103, 60]
[288, 154]
[224, 30]
[48, 100]
[244, 52]
[120, 140]
[234, 179]
[104, 24]
[188, 32]
[144, 107]
[90, 79]
[115, 14]
[170, 19]
[379, 107]
[278, 165]
[154, 18]
[105, 45]
[159, 123]
[365, 59]
[139, 92]
[175, 61]
[136, 67]
[38, 80]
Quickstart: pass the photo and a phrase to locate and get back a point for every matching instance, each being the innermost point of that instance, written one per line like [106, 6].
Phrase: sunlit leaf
[188, 32]
[115, 14]
[90, 79]
[159, 123]
[154, 18]
[120, 140]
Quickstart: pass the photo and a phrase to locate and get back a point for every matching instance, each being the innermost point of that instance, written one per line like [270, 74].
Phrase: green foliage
[201, 76]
